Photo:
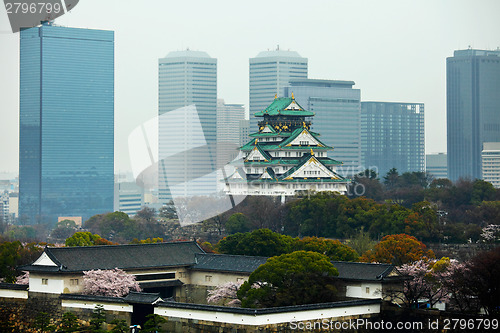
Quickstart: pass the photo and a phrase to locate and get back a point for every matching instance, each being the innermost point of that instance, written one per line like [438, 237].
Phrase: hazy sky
[395, 50]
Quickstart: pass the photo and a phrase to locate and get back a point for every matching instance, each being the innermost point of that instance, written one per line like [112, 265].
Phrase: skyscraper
[66, 149]
[337, 109]
[473, 108]
[229, 117]
[270, 72]
[187, 99]
[392, 136]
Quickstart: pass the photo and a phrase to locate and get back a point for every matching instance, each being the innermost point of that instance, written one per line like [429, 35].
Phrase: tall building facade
[66, 148]
[187, 108]
[393, 136]
[437, 165]
[270, 73]
[490, 156]
[229, 117]
[473, 109]
[337, 108]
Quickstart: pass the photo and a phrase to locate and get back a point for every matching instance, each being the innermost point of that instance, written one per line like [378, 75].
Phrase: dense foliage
[300, 277]
[266, 243]
[13, 254]
[398, 250]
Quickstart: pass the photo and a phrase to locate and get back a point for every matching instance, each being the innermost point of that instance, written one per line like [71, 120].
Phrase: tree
[238, 222]
[146, 213]
[112, 282]
[398, 250]
[69, 322]
[296, 278]
[361, 242]
[153, 323]
[98, 319]
[168, 211]
[334, 249]
[260, 242]
[43, 322]
[120, 326]
[225, 294]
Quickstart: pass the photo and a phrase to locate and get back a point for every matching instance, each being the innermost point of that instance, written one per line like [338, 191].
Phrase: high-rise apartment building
[337, 109]
[66, 148]
[270, 72]
[392, 136]
[473, 109]
[187, 108]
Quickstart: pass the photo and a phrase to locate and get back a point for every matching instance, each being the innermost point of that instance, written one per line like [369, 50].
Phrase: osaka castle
[285, 157]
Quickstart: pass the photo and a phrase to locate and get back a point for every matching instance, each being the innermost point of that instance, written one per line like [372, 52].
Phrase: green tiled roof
[278, 107]
[272, 146]
[281, 161]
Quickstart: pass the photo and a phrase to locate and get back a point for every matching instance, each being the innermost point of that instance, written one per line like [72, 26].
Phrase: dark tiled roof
[363, 271]
[142, 298]
[13, 286]
[80, 297]
[228, 263]
[84, 258]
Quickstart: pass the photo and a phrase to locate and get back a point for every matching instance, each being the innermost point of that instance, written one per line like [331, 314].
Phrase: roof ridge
[118, 245]
[231, 255]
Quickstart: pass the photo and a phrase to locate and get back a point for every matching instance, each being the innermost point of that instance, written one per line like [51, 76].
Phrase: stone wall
[18, 315]
[461, 252]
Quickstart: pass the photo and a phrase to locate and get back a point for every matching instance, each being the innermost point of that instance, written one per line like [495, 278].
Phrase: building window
[182, 274]
[45, 281]
[73, 282]
[367, 290]
[208, 278]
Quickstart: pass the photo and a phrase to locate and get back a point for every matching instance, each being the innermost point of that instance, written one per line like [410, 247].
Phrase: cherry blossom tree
[23, 279]
[113, 282]
[225, 294]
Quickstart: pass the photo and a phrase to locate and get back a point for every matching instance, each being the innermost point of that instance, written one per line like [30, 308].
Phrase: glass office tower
[473, 109]
[66, 148]
[270, 73]
[392, 136]
[187, 109]
[337, 109]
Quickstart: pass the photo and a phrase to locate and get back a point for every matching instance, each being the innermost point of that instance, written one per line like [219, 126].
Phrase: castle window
[45, 281]
[208, 278]
[73, 282]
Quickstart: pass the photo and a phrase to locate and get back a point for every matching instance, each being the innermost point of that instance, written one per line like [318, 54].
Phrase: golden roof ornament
[293, 97]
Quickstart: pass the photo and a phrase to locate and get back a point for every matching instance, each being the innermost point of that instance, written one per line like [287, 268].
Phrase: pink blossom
[113, 282]
[226, 294]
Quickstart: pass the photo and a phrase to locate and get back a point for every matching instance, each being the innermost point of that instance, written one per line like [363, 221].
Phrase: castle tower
[284, 157]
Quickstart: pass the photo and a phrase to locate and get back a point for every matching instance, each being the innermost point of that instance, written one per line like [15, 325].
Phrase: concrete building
[392, 136]
[490, 156]
[66, 147]
[337, 108]
[129, 198]
[437, 165]
[473, 109]
[270, 73]
[187, 109]
[244, 131]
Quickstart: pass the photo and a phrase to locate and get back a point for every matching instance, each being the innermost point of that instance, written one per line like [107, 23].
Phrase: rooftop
[188, 54]
[84, 258]
[279, 53]
[365, 271]
[228, 263]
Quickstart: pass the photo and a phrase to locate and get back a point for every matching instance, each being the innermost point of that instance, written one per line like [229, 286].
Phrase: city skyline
[393, 50]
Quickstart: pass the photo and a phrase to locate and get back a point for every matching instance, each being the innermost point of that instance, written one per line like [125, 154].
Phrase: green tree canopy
[260, 242]
[86, 238]
[301, 277]
[238, 222]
